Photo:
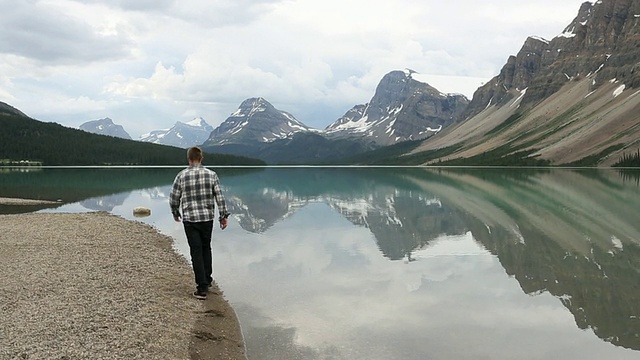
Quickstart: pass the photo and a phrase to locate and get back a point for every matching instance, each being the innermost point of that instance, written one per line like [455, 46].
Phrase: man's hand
[177, 219]
[223, 223]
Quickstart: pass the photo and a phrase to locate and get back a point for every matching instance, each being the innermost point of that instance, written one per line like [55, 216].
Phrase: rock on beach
[97, 286]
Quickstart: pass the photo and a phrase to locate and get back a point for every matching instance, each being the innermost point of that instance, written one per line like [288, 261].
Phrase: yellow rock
[141, 211]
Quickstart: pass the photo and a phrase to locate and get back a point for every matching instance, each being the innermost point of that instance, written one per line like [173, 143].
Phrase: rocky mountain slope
[259, 130]
[105, 127]
[181, 134]
[401, 109]
[570, 100]
[256, 121]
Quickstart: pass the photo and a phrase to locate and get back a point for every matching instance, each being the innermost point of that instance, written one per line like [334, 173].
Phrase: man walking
[194, 191]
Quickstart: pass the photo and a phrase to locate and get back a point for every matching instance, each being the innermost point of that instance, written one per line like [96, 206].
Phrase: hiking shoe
[200, 295]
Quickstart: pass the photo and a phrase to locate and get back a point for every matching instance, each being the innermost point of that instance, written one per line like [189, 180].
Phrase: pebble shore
[97, 286]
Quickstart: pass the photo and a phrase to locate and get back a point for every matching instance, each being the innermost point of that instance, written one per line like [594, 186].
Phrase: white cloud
[45, 31]
[313, 59]
[56, 104]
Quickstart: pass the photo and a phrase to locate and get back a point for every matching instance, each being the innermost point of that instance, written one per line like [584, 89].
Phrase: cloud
[6, 84]
[313, 59]
[47, 33]
[138, 5]
[308, 72]
[201, 13]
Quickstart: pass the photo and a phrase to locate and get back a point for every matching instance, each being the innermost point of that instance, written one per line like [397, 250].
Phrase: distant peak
[252, 106]
[409, 72]
[399, 73]
[584, 15]
[199, 121]
[254, 101]
[397, 77]
[538, 38]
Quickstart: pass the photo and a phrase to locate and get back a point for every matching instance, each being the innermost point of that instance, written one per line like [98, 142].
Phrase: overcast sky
[149, 63]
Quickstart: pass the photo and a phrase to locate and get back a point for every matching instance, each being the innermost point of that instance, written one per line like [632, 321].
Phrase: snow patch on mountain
[256, 121]
[404, 107]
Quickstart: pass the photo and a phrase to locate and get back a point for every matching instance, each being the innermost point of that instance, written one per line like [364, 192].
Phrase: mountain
[259, 130]
[568, 101]
[105, 127]
[401, 109]
[8, 109]
[256, 121]
[26, 140]
[181, 134]
[309, 148]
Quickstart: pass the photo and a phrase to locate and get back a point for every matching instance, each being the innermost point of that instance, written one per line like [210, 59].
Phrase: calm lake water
[403, 263]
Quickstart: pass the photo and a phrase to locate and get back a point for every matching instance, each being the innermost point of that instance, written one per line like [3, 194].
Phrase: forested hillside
[50, 144]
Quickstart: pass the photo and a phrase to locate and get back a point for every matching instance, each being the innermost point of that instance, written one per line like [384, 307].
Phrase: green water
[403, 263]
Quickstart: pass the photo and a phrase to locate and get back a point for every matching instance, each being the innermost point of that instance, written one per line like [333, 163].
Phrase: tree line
[629, 160]
[23, 139]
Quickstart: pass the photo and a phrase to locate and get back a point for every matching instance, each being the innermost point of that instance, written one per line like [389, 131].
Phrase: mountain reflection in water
[572, 234]
[302, 233]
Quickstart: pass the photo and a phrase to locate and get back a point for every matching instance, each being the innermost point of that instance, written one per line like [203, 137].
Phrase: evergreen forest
[24, 140]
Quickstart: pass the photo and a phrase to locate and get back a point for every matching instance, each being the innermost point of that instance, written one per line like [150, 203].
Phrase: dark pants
[199, 239]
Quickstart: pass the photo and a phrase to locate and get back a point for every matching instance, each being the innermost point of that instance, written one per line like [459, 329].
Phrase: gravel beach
[97, 286]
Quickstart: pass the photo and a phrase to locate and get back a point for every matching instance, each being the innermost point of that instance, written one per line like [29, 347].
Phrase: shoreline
[95, 285]
[17, 201]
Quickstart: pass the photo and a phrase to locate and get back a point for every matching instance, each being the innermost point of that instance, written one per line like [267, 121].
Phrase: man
[194, 191]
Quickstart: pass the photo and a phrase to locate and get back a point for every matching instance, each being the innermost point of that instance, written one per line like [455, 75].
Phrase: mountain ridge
[569, 101]
[24, 140]
[105, 126]
[565, 101]
[255, 120]
[181, 134]
[426, 111]
[401, 109]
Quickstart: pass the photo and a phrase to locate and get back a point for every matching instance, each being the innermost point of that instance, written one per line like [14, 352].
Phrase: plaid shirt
[194, 191]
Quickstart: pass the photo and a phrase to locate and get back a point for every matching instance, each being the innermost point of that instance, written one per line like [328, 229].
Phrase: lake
[402, 263]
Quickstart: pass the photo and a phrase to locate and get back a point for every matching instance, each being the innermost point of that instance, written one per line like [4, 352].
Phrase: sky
[149, 63]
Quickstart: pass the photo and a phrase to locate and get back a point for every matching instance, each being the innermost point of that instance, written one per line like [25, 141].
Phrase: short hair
[195, 154]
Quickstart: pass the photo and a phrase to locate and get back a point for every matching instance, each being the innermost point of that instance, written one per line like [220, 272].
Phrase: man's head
[194, 155]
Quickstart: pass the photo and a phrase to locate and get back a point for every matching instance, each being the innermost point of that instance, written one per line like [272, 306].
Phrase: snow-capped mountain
[256, 121]
[105, 127]
[402, 108]
[183, 135]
